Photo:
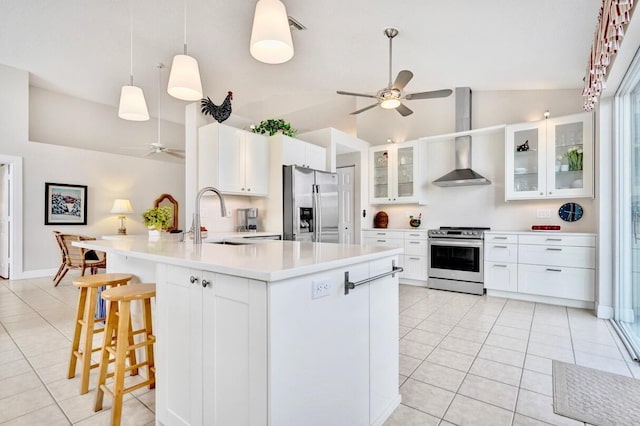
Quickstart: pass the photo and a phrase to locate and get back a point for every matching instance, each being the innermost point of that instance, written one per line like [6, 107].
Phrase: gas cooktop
[458, 232]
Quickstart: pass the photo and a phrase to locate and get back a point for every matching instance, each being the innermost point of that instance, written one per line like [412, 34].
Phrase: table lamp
[122, 208]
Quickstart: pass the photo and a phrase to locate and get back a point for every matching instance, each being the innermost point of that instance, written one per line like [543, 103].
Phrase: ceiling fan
[391, 96]
[157, 147]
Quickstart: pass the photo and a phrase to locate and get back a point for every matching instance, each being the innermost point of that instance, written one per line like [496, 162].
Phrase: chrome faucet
[195, 226]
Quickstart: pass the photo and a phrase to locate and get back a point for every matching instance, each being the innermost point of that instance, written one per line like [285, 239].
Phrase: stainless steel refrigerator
[310, 205]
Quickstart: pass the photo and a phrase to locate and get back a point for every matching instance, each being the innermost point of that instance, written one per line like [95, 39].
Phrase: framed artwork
[65, 204]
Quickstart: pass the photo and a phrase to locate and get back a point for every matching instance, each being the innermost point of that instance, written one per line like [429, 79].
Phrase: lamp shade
[390, 103]
[184, 79]
[132, 104]
[271, 36]
[121, 206]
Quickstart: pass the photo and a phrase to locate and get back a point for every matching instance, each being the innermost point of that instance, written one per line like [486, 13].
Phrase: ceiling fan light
[390, 103]
[132, 104]
[271, 41]
[184, 79]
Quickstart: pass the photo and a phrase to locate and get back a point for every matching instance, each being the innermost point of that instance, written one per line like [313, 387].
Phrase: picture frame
[65, 204]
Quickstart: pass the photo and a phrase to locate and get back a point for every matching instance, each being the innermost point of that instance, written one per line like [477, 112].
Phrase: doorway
[5, 219]
[346, 203]
[11, 217]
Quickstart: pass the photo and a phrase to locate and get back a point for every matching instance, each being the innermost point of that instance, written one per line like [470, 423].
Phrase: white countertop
[266, 261]
[542, 232]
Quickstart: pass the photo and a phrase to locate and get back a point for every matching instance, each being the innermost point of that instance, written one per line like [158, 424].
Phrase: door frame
[15, 213]
[352, 169]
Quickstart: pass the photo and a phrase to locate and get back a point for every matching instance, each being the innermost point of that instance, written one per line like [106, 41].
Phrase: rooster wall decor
[219, 112]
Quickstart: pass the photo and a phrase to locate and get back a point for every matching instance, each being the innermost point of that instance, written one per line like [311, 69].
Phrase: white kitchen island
[264, 334]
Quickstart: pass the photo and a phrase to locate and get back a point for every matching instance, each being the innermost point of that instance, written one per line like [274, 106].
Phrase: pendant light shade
[184, 79]
[132, 104]
[271, 36]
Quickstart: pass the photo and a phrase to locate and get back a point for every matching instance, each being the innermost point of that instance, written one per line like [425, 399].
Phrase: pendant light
[132, 103]
[184, 78]
[271, 36]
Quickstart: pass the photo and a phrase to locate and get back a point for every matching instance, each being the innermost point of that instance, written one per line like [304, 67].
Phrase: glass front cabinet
[396, 173]
[550, 159]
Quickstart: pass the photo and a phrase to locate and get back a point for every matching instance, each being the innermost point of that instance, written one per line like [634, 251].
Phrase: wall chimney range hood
[463, 175]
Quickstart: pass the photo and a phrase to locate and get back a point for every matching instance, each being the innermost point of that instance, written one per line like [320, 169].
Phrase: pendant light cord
[130, 43]
[185, 26]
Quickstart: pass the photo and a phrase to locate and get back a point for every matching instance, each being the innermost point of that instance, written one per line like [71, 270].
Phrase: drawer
[389, 242]
[415, 267]
[500, 238]
[575, 257]
[559, 239]
[501, 252]
[567, 283]
[416, 235]
[416, 247]
[501, 276]
[375, 233]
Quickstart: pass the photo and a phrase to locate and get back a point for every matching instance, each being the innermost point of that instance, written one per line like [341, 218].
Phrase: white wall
[108, 176]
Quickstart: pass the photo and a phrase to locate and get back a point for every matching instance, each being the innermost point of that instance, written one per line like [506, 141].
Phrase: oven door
[456, 259]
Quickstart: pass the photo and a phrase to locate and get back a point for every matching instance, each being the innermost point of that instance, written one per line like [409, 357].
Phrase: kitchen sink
[231, 243]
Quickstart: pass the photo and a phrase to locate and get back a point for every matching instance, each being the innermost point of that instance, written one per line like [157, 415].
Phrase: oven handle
[455, 242]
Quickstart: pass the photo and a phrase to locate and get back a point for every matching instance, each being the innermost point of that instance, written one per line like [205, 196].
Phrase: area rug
[595, 396]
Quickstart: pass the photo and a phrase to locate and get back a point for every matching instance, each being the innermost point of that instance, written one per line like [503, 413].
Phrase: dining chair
[77, 257]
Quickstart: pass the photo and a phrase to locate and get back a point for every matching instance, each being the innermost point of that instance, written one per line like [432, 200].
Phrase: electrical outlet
[320, 288]
[543, 213]
[228, 213]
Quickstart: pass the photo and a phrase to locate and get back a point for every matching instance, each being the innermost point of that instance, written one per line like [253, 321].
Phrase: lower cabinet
[416, 250]
[558, 266]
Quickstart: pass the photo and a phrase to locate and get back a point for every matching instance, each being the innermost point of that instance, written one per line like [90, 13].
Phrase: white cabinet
[212, 357]
[397, 173]
[550, 159]
[233, 160]
[560, 267]
[416, 250]
[301, 153]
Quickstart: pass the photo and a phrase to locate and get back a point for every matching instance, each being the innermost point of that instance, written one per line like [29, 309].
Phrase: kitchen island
[267, 333]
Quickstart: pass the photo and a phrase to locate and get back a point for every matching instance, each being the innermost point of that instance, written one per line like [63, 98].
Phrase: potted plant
[273, 126]
[157, 219]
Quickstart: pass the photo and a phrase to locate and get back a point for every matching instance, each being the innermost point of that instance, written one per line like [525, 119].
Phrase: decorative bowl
[520, 170]
[414, 223]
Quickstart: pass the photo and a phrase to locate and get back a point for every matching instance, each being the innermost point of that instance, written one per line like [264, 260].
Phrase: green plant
[273, 126]
[158, 217]
[574, 158]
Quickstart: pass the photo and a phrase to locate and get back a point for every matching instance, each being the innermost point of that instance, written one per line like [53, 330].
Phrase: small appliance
[247, 220]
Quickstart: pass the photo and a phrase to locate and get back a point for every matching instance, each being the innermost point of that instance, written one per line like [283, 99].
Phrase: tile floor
[470, 360]
[463, 359]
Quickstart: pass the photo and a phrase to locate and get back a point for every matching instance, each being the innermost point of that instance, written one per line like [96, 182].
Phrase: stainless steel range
[456, 258]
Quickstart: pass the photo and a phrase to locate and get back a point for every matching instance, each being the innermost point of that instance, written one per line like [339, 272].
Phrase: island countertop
[265, 260]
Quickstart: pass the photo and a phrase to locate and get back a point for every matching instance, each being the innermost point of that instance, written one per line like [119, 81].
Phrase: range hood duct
[463, 175]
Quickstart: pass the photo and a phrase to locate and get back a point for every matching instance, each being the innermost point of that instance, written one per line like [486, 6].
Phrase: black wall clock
[570, 212]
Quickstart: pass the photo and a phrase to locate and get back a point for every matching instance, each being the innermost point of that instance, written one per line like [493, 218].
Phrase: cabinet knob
[205, 283]
[542, 193]
[242, 189]
[248, 189]
[550, 192]
[193, 279]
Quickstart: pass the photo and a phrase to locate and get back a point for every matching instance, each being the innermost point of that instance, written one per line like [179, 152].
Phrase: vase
[154, 234]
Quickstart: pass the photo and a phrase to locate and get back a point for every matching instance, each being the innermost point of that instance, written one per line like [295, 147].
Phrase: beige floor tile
[401, 379]
[424, 337]
[455, 344]
[80, 407]
[484, 326]
[50, 415]
[520, 420]
[496, 371]
[23, 403]
[415, 349]
[18, 384]
[507, 321]
[606, 351]
[134, 413]
[516, 333]
[445, 318]
[553, 352]
[466, 411]
[451, 359]
[148, 399]
[550, 329]
[434, 326]
[506, 342]
[10, 355]
[407, 321]
[424, 397]
[14, 368]
[537, 382]
[55, 356]
[468, 334]
[540, 407]
[408, 364]
[407, 416]
[489, 391]
[438, 375]
[616, 366]
[504, 356]
[538, 364]
[599, 336]
[551, 339]
[53, 372]
[402, 331]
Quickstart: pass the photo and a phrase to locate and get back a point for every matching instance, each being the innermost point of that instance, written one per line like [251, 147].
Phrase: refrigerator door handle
[318, 214]
[314, 206]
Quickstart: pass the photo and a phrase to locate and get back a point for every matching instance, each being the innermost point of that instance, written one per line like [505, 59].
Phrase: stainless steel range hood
[463, 175]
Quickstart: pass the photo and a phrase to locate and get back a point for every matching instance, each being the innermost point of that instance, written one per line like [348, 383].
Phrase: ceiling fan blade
[404, 110]
[149, 153]
[174, 154]
[340, 92]
[429, 95]
[134, 147]
[402, 79]
[363, 109]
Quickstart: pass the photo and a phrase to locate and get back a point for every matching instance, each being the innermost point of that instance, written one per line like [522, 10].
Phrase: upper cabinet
[550, 159]
[233, 160]
[396, 173]
[301, 153]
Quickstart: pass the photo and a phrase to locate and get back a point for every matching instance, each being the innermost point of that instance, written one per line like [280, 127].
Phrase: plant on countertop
[158, 217]
[273, 126]
[574, 158]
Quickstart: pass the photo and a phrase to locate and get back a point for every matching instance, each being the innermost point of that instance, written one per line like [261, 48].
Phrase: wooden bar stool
[118, 320]
[85, 320]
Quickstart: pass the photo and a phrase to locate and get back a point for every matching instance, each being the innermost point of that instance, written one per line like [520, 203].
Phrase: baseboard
[37, 273]
[417, 283]
[541, 299]
[384, 416]
[603, 311]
